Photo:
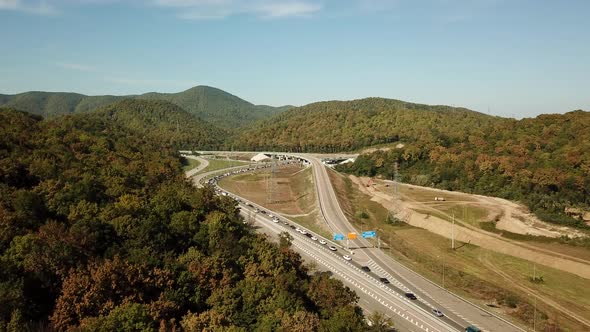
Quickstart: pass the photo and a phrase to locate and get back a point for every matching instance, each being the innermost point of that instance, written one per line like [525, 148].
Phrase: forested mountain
[165, 123]
[216, 106]
[50, 104]
[543, 162]
[336, 126]
[99, 231]
[210, 104]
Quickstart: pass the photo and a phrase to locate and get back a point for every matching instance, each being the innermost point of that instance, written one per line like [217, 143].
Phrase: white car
[437, 313]
[348, 258]
[332, 248]
[302, 232]
[275, 220]
[313, 238]
[297, 229]
[323, 242]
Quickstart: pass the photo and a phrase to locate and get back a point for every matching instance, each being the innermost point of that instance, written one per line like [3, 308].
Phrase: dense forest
[543, 162]
[99, 231]
[337, 126]
[165, 123]
[210, 104]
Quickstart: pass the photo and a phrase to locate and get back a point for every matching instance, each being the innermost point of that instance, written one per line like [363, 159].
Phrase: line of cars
[214, 180]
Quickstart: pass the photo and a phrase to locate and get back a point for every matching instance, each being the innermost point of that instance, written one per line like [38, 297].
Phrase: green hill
[217, 106]
[164, 122]
[543, 162]
[210, 104]
[92, 209]
[349, 125]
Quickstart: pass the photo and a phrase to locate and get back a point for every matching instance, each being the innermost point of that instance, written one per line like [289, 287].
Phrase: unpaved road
[476, 236]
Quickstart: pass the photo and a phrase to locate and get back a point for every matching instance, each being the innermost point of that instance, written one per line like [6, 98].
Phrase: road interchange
[412, 315]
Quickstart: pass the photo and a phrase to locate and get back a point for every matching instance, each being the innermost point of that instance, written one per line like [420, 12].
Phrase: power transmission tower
[271, 183]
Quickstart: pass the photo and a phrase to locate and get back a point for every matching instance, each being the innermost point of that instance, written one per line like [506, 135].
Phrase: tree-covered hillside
[210, 104]
[165, 123]
[543, 162]
[217, 106]
[99, 231]
[336, 126]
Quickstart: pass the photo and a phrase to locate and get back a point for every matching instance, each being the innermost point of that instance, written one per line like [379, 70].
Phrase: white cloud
[217, 9]
[75, 66]
[39, 7]
[284, 9]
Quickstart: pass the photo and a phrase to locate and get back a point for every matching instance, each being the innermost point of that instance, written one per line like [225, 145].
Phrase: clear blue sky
[512, 57]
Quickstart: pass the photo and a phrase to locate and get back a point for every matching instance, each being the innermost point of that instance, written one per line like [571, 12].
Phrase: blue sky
[515, 58]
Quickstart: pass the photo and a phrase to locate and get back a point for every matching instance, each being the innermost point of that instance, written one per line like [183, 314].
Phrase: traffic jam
[299, 230]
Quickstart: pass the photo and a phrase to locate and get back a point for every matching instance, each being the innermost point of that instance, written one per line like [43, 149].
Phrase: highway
[459, 313]
[459, 310]
[373, 294]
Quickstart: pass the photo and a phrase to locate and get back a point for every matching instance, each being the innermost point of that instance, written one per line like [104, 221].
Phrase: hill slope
[90, 209]
[210, 104]
[216, 106]
[164, 122]
[348, 125]
[543, 162]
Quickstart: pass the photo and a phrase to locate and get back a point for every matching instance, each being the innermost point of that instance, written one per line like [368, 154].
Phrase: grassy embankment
[188, 164]
[472, 271]
[218, 164]
[294, 196]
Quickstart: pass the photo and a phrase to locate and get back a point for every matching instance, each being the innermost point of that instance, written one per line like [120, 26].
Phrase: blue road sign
[338, 237]
[368, 234]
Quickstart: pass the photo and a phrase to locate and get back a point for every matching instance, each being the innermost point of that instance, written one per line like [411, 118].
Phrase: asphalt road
[460, 311]
[374, 295]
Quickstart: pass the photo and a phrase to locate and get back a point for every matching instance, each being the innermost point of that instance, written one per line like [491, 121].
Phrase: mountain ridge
[208, 103]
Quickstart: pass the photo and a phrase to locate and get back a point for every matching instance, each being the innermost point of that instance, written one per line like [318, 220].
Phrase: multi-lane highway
[413, 315]
[458, 309]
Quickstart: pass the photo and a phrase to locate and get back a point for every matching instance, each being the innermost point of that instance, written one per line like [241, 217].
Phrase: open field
[293, 197]
[500, 281]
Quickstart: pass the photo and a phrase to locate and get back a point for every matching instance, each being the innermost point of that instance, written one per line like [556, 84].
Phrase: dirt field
[293, 195]
[495, 278]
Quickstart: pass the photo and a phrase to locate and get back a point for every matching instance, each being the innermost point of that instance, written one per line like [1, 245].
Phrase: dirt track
[466, 233]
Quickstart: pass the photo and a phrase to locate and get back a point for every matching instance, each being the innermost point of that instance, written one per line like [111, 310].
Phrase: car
[411, 296]
[322, 241]
[384, 280]
[293, 226]
[276, 221]
[307, 234]
[332, 248]
[472, 328]
[313, 238]
[365, 268]
[298, 229]
[303, 232]
[263, 211]
[348, 258]
[270, 215]
[285, 223]
[437, 313]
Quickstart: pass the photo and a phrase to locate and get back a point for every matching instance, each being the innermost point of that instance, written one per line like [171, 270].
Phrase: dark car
[366, 269]
[292, 226]
[411, 296]
[384, 280]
